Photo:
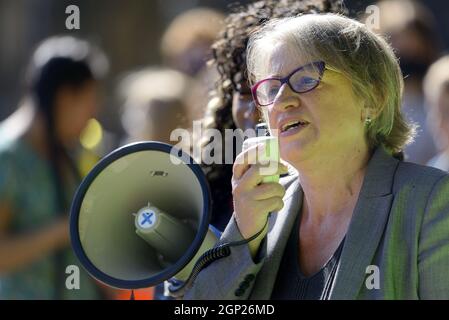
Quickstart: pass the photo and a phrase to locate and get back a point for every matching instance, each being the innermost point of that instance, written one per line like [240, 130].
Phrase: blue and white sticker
[147, 219]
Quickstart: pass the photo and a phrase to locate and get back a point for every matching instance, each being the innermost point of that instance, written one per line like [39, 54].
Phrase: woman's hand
[60, 232]
[254, 200]
[19, 250]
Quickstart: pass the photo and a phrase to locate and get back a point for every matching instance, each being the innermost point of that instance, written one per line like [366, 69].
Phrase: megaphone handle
[210, 256]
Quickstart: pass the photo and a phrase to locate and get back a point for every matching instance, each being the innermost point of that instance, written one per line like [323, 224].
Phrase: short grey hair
[358, 53]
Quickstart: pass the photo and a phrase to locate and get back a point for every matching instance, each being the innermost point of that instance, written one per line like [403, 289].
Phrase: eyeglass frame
[286, 80]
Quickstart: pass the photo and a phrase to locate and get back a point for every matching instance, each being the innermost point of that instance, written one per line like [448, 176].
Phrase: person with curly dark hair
[232, 105]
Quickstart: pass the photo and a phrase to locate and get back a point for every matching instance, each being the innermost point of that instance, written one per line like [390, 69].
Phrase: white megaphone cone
[139, 218]
[169, 230]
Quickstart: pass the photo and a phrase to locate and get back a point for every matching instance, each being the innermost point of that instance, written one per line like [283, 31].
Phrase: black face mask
[413, 68]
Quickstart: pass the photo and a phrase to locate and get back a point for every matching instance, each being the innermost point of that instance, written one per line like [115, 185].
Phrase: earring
[368, 121]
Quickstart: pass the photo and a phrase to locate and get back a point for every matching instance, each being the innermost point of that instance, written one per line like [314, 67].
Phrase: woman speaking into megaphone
[352, 220]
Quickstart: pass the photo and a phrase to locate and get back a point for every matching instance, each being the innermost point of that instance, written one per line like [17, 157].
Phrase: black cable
[177, 289]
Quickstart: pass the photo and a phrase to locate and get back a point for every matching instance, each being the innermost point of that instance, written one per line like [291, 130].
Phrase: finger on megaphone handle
[272, 204]
[253, 177]
[268, 190]
[246, 158]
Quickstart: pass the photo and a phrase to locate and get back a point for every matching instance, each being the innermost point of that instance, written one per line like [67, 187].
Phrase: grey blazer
[400, 225]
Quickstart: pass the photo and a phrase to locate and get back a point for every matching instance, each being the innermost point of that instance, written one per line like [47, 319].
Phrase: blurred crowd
[55, 135]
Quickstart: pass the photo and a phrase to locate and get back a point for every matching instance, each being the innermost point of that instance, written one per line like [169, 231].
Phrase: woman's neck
[331, 185]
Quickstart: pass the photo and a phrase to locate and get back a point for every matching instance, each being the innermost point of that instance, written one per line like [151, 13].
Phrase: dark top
[291, 284]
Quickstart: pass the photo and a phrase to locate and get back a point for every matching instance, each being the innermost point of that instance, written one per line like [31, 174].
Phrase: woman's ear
[368, 114]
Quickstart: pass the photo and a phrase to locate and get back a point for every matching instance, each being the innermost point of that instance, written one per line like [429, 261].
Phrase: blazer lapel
[280, 226]
[367, 225]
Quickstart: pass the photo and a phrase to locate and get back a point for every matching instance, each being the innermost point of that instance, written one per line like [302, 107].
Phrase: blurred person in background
[232, 105]
[156, 102]
[38, 175]
[409, 25]
[436, 90]
[186, 47]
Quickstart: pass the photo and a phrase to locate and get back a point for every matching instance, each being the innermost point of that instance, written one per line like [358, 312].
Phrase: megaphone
[141, 216]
